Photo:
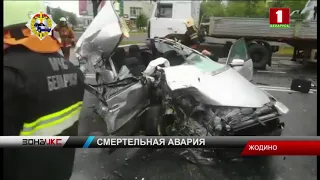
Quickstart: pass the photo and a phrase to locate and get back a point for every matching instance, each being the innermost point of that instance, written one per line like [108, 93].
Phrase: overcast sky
[71, 6]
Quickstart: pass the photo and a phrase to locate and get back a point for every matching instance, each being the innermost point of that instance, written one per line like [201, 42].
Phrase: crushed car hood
[226, 88]
[102, 36]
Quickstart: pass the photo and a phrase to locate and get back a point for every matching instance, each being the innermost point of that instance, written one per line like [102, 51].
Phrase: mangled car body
[171, 89]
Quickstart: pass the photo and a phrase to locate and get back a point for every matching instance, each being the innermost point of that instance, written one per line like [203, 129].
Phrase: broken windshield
[204, 63]
[191, 57]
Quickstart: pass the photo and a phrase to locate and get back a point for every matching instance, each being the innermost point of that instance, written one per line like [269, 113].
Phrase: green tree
[249, 8]
[255, 9]
[292, 4]
[277, 3]
[141, 21]
[236, 8]
[212, 8]
[73, 19]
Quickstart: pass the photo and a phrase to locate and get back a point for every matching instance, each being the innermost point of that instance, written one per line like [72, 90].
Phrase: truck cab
[168, 17]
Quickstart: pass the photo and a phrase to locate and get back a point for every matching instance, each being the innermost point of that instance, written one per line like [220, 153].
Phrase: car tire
[259, 55]
[155, 123]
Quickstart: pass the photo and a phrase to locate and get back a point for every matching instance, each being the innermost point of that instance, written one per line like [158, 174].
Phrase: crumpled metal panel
[227, 88]
[125, 105]
[102, 35]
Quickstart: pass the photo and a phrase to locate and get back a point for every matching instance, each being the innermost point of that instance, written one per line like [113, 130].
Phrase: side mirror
[237, 62]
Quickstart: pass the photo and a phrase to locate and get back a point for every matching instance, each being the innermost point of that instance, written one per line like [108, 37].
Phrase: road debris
[118, 174]
[196, 156]
[265, 84]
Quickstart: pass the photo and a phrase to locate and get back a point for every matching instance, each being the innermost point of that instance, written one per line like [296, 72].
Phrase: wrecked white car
[170, 89]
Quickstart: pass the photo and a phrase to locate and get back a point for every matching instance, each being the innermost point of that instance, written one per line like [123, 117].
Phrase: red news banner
[293, 147]
[250, 145]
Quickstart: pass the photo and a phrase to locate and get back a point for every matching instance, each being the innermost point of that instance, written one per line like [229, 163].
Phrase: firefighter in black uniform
[42, 97]
[192, 39]
[191, 36]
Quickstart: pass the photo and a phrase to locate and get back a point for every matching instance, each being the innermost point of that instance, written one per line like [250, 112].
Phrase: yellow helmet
[189, 22]
[18, 12]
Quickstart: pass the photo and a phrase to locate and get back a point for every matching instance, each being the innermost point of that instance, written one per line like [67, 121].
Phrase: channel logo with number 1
[279, 17]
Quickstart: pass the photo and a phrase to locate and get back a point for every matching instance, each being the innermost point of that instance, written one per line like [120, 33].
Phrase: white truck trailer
[168, 17]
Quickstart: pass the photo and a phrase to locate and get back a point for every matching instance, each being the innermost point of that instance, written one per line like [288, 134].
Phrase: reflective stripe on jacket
[53, 124]
[194, 36]
[191, 36]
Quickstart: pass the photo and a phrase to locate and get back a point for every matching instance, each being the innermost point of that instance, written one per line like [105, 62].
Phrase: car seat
[146, 57]
[134, 51]
[134, 61]
[118, 58]
[173, 58]
[134, 65]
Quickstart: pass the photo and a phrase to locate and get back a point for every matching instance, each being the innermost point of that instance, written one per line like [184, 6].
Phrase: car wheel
[155, 123]
[259, 55]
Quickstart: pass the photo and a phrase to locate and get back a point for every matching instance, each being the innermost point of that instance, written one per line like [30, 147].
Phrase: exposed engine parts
[194, 118]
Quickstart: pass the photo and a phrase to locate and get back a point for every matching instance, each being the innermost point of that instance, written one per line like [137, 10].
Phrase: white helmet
[189, 22]
[63, 19]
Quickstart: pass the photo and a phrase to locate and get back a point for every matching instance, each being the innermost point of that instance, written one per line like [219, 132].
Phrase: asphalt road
[127, 164]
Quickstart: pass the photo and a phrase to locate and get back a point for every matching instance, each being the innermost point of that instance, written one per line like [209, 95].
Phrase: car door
[120, 100]
[124, 103]
[239, 51]
[125, 99]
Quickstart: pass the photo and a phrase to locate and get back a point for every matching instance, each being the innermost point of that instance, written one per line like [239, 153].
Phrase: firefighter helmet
[63, 19]
[189, 22]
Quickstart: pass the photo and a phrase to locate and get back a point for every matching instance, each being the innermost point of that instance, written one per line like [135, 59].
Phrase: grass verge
[138, 32]
[128, 42]
[285, 51]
